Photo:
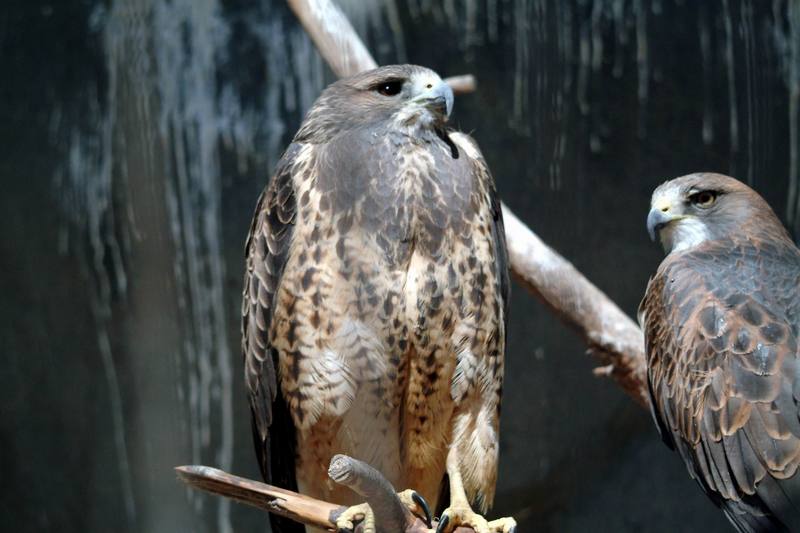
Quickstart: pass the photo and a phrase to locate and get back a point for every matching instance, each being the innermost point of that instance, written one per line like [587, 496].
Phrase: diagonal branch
[340, 46]
[612, 336]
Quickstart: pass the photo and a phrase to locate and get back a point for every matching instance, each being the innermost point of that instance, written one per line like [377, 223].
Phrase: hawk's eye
[703, 198]
[389, 88]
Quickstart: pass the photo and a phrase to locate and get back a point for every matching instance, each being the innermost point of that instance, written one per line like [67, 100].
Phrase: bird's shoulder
[764, 270]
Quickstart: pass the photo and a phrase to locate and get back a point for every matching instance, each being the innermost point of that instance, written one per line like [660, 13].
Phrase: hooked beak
[438, 99]
[656, 221]
[661, 214]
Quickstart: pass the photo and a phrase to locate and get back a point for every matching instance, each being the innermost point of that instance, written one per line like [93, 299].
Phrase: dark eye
[703, 198]
[389, 88]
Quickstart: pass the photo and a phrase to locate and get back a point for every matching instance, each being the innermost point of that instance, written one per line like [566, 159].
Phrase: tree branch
[390, 514]
[298, 507]
[340, 46]
[333, 36]
[612, 336]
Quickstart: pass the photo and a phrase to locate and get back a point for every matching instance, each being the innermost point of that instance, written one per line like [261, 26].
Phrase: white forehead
[424, 76]
[677, 188]
[668, 191]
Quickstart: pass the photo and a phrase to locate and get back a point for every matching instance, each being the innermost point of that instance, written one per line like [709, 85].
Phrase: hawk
[721, 319]
[376, 299]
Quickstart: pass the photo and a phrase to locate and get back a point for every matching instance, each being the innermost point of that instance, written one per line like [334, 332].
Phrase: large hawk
[376, 299]
[721, 319]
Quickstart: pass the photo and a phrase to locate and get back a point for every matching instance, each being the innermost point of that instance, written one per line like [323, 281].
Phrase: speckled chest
[391, 252]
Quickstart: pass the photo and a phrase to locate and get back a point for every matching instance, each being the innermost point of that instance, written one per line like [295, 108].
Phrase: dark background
[136, 136]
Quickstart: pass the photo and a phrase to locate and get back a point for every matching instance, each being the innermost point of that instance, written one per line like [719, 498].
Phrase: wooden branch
[463, 84]
[390, 514]
[611, 335]
[298, 507]
[333, 36]
[339, 44]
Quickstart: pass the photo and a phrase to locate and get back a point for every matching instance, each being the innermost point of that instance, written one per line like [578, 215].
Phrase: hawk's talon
[443, 521]
[419, 500]
[414, 502]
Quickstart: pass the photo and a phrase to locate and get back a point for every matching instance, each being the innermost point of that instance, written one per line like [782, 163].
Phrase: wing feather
[266, 253]
[468, 144]
[722, 361]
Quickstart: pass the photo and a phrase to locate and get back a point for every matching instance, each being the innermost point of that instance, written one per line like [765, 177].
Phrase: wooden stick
[333, 35]
[307, 510]
[612, 336]
[298, 507]
[463, 84]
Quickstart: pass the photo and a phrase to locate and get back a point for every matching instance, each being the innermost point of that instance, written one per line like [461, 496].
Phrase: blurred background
[137, 134]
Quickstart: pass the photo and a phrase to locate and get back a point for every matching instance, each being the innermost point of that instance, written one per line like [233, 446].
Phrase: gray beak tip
[656, 220]
[441, 98]
[449, 100]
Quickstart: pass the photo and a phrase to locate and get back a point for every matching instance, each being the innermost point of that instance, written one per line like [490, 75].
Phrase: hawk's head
[407, 96]
[693, 209]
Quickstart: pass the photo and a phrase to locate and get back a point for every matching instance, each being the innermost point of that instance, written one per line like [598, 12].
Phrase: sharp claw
[419, 500]
[442, 524]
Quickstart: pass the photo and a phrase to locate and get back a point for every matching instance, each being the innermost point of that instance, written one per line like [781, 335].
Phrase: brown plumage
[376, 295]
[721, 320]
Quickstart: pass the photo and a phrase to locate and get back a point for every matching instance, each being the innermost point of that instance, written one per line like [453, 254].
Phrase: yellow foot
[355, 515]
[362, 514]
[505, 524]
[454, 517]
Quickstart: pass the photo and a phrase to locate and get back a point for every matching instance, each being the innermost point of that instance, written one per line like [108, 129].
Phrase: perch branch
[390, 513]
[298, 507]
[611, 335]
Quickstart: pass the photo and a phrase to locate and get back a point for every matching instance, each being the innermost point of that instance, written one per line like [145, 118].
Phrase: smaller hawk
[721, 319]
